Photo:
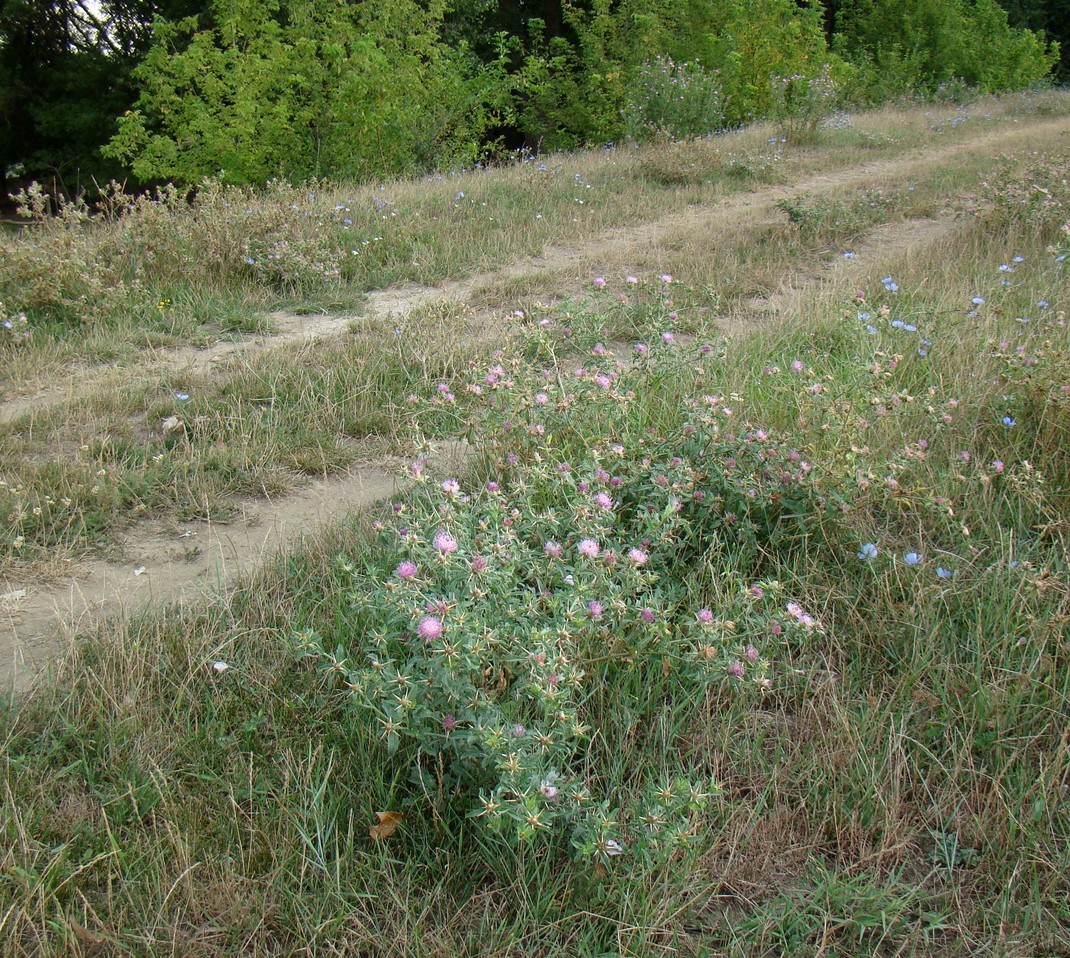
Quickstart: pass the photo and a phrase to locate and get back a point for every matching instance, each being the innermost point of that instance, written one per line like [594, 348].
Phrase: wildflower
[943, 573]
[736, 669]
[588, 548]
[181, 397]
[667, 337]
[1009, 421]
[603, 501]
[704, 617]
[912, 558]
[406, 569]
[752, 653]
[638, 556]
[666, 278]
[631, 279]
[552, 549]
[449, 723]
[518, 731]
[997, 465]
[429, 628]
[479, 564]
[548, 791]
[451, 487]
[541, 399]
[977, 301]
[595, 609]
[444, 542]
[848, 255]
[797, 366]
[641, 349]
[647, 615]
[868, 552]
[219, 667]
[492, 486]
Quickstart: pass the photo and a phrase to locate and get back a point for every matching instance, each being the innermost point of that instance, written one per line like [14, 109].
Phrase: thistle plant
[506, 620]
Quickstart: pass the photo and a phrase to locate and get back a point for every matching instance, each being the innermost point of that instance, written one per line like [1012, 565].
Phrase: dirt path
[166, 562]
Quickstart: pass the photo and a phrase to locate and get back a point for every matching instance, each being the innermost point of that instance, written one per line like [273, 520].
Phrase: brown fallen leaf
[388, 824]
[86, 936]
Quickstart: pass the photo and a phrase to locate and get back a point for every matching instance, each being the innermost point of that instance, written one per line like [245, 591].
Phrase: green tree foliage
[65, 75]
[301, 88]
[915, 45]
[586, 85]
[1049, 19]
[254, 89]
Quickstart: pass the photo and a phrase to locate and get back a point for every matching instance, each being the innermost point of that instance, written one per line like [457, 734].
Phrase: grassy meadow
[746, 633]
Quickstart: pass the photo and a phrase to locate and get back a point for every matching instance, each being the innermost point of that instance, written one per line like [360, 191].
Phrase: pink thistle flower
[600, 281]
[588, 548]
[444, 542]
[451, 487]
[548, 791]
[752, 653]
[552, 549]
[797, 366]
[631, 279]
[638, 556]
[541, 399]
[449, 723]
[603, 501]
[595, 609]
[666, 278]
[429, 628]
[406, 569]
[479, 564]
[492, 487]
[647, 616]
[705, 617]
[997, 465]
[736, 669]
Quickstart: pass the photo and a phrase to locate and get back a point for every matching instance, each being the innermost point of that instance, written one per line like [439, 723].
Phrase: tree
[302, 88]
[65, 75]
[909, 45]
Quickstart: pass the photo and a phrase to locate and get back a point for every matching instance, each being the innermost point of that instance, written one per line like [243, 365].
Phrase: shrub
[677, 100]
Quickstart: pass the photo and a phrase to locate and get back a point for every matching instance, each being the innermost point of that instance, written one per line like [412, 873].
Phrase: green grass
[902, 787]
